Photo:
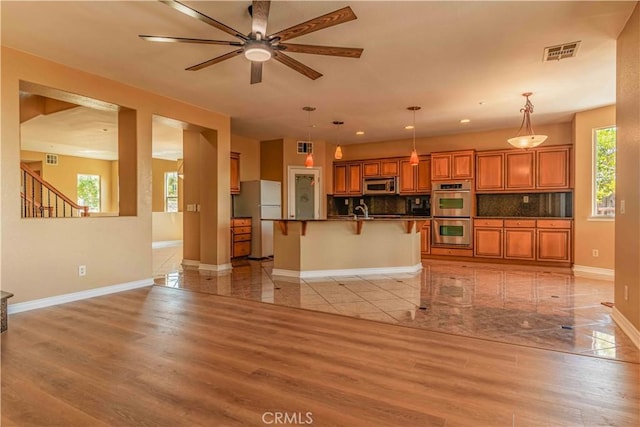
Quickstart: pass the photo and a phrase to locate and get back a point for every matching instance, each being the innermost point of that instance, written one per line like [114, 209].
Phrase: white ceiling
[446, 56]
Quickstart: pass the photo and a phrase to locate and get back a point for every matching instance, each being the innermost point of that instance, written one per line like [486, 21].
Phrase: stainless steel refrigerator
[261, 200]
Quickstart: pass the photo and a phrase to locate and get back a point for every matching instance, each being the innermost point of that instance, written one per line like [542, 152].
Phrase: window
[604, 172]
[89, 191]
[171, 192]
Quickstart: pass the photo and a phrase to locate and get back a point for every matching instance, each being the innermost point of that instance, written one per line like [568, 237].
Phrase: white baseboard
[347, 272]
[593, 272]
[190, 263]
[166, 244]
[76, 296]
[214, 267]
[626, 326]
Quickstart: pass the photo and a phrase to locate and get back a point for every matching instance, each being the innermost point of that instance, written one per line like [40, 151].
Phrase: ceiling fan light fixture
[530, 139]
[257, 51]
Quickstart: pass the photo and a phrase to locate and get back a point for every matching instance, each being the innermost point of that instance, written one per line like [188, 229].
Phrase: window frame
[594, 187]
[167, 197]
[99, 181]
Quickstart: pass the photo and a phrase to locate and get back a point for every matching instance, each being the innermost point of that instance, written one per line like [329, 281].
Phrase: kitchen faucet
[365, 210]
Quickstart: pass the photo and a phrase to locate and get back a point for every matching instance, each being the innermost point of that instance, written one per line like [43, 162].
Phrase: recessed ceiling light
[360, 132]
[465, 121]
[408, 127]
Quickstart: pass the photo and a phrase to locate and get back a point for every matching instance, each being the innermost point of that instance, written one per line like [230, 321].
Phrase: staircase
[42, 200]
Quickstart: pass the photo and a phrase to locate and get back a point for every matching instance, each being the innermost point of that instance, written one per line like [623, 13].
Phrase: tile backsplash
[526, 205]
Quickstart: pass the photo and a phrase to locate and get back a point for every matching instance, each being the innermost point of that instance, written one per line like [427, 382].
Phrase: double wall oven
[451, 207]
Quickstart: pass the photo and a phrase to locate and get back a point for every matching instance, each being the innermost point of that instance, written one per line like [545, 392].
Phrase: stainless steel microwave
[380, 186]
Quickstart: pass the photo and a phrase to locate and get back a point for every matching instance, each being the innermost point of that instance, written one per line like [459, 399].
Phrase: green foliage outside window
[605, 171]
[171, 191]
[89, 192]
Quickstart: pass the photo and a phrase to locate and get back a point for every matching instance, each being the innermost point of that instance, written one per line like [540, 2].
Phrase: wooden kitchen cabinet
[347, 179]
[235, 173]
[382, 167]
[519, 170]
[415, 179]
[553, 240]
[519, 239]
[552, 171]
[240, 237]
[488, 238]
[425, 238]
[452, 165]
[490, 171]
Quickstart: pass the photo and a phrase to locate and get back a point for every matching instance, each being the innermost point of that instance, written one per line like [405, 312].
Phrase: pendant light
[308, 162]
[530, 139]
[413, 160]
[338, 154]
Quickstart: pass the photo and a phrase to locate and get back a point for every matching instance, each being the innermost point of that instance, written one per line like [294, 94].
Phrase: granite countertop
[361, 218]
[522, 217]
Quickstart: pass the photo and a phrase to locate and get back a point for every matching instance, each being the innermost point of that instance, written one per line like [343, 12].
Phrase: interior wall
[589, 233]
[249, 150]
[271, 160]
[115, 250]
[627, 226]
[166, 226]
[64, 175]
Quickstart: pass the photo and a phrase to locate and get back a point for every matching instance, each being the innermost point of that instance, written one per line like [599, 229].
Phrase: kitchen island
[346, 246]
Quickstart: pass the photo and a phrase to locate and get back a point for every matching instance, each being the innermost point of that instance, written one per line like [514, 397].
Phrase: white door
[304, 193]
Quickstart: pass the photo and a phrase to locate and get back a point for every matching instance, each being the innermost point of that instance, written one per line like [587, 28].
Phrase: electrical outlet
[626, 293]
[417, 201]
[82, 270]
[346, 202]
[525, 199]
[362, 201]
[595, 253]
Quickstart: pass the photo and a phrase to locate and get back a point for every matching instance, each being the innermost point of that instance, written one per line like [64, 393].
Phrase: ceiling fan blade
[260, 11]
[325, 21]
[180, 7]
[214, 60]
[298, 66]
[256, 72]
[165, 39]
[347, 52]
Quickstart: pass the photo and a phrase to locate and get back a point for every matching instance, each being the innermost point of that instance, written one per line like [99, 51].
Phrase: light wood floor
[168, 357]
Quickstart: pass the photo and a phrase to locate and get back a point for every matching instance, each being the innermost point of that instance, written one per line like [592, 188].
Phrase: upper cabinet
[540, 169]
[490, 171]
[235, 173]
[553, 168]
[415, 179]
[452, 165]
[520, 167]
[347, 179]
[383, 167]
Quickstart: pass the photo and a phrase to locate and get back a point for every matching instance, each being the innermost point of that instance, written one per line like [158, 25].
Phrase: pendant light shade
[413, 160]
[308, 161]
[338, 153]
[529, 139]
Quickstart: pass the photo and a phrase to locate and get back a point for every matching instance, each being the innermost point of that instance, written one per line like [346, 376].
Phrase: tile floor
[519, 305]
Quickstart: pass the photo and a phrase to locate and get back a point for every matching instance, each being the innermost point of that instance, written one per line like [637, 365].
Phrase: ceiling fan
[258, 47]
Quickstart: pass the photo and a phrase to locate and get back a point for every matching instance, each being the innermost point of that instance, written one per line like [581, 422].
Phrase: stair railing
[40, 199]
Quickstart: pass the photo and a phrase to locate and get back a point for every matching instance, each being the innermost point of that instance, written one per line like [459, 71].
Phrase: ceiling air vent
[561, 51]
[52, 159]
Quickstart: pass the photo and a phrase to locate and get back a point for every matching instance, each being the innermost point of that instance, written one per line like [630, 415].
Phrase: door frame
[292, 171]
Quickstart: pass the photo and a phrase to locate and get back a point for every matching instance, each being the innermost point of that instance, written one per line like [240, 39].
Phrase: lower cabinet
[425, 238]
[520, 239]
[547, 240]
[240, 237]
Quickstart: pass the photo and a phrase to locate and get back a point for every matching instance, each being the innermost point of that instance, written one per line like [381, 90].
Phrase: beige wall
[115, 250]
[158, 168]
[64, 175]
[166, 226]
[628, 173]
[271, 158]
[590, 234]
[249, 150]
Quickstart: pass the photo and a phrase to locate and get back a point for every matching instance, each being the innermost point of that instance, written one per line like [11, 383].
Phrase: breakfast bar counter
[346, 246]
